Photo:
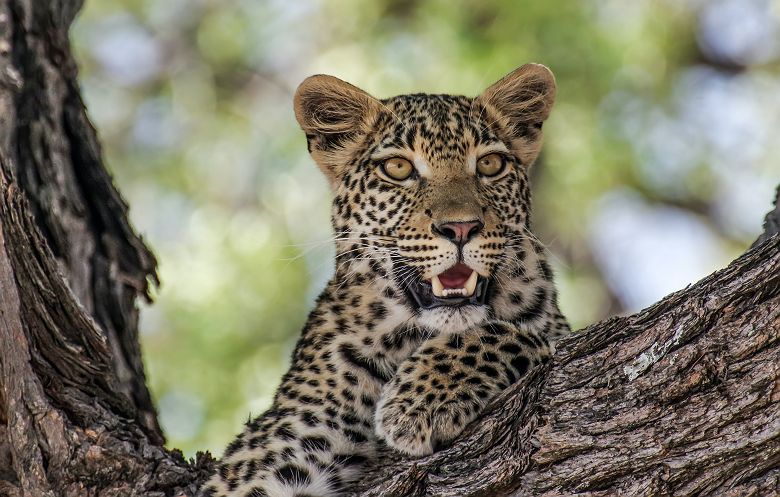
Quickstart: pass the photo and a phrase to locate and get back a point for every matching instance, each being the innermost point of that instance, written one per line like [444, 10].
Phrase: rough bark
[51, 149]
[681, 398]
[76, 417]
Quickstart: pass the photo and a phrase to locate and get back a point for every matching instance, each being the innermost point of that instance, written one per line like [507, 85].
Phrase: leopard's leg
[315, 439]
[447, 382]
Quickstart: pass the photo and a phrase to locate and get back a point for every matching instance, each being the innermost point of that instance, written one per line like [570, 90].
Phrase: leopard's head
[431, 193]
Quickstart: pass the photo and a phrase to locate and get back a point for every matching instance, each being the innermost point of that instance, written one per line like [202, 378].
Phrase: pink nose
[459, 232]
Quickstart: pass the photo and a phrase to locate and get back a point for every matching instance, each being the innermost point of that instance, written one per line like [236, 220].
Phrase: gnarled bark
[681, 398]
[76, 417]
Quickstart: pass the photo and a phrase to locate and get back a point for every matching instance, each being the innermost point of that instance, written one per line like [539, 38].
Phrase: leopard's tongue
[456, 276]
[458, 281]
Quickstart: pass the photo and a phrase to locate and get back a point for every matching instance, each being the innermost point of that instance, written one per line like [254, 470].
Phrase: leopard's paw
[418, 424]
[404, 422]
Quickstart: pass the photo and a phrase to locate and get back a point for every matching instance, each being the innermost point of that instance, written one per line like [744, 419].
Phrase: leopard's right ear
[335, 115]
[521, 101]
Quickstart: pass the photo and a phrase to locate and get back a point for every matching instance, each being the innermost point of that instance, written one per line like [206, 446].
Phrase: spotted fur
[372, 367]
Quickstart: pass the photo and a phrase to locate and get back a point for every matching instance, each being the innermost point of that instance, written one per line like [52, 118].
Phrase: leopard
[441, 296]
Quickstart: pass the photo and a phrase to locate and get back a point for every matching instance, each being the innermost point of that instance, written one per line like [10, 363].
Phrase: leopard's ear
[522, 101]
[335, 115]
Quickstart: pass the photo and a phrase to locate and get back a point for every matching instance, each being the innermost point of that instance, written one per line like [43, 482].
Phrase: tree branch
[682, 398]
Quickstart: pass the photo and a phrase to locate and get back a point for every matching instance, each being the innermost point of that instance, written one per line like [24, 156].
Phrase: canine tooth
[438, 288]
[471, 284]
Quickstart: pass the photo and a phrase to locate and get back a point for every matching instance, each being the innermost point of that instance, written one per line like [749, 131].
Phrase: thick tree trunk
[76, 417]
[681, 398]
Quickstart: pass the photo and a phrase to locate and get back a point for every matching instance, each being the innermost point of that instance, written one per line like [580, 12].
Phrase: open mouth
[458, 286]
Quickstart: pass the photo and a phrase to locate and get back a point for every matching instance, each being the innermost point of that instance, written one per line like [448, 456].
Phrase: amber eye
[490, 164]
[397, 168]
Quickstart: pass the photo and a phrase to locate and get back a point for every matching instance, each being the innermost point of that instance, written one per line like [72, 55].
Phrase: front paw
[404, 422]
[418, 423]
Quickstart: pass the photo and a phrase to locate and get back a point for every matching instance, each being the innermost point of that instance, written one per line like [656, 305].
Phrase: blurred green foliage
[659, 161]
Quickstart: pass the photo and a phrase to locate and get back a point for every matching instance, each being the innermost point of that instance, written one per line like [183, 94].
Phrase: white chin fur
[452, 319]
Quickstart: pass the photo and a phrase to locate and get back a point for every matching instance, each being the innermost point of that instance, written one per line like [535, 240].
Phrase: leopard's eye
[490, 164]
[397, 168]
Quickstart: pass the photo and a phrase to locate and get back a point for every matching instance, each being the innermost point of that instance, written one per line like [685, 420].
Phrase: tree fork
[681, 398]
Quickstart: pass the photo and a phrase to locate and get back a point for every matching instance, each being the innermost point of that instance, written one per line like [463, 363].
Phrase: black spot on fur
[349, 459]
[469, 360]
[315, 443]
[510, 348]
[355, 436]
[520, 363]
[534, 309]
[351, 356]
[443, 368]
[234, 447]
[488, 371]
[490, 357]
[285, 432]
[455, 342]
[291, 474]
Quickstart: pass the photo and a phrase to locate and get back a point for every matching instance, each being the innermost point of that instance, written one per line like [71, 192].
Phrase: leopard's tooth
[438, 288]
[451, 292]
[471, 284]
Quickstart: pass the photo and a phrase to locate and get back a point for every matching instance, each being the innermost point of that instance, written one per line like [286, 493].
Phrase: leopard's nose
[459, 232]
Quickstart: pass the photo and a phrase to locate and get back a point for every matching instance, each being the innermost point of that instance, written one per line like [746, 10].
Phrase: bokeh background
[660, 158]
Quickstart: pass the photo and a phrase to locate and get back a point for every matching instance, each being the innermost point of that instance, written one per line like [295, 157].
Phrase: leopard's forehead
[438, 108]
[438, 126]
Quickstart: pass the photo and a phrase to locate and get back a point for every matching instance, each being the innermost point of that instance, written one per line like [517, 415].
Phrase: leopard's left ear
[335, 116]
[522, 100]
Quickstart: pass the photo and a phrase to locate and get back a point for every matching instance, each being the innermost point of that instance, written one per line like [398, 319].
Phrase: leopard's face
[431, 195]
